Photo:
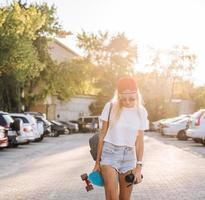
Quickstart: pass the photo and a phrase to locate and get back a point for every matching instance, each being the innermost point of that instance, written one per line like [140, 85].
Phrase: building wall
[74, 108]
[183, 106]
[60, 52]
[186, 107]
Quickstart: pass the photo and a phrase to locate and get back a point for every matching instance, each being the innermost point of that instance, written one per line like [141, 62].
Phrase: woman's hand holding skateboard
[96, 167]
[138, 175]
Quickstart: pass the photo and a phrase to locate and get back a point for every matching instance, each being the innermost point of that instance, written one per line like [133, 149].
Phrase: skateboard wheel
[89, 188]
[84, 177]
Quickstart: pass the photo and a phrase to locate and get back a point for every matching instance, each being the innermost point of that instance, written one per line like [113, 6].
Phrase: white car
[37, 127]
[28, 132]
[177, 128]
[155, 126]
[197, 126]
[167, 122]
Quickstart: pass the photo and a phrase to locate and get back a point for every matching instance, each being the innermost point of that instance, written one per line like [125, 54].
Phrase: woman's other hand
[137, 173]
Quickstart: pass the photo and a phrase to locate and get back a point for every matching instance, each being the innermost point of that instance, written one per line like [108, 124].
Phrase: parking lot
[51, 170]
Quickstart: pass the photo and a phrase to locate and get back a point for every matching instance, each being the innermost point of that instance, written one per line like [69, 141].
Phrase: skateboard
[94, 178]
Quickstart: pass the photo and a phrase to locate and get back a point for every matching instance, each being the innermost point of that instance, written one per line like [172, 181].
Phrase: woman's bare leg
[110, 177]
[125, 192]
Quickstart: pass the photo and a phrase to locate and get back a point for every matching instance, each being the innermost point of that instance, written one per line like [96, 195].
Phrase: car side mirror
[16, 125]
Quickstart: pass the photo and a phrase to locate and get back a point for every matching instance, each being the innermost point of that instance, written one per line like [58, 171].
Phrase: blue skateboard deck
[96, 178]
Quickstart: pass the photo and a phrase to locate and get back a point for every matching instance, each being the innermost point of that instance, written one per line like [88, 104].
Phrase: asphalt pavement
[51, 169]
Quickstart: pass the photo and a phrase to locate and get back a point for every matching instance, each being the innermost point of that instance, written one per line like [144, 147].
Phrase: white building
[71, 109]
[76, 107]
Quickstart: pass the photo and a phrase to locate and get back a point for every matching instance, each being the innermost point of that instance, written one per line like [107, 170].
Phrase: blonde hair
[117, 106]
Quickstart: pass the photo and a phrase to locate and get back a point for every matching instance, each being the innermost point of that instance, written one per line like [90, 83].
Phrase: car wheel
[56, 134]
[182, 135]
[41, 138]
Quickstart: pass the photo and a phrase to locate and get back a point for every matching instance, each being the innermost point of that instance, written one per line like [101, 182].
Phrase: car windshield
[57, 123]
[88, 120]
[197, 114]
[176, 119]
[181, 120]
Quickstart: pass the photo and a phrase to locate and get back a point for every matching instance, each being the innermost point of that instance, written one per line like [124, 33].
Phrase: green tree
[25, 64]
[18, 58]
[112, 56]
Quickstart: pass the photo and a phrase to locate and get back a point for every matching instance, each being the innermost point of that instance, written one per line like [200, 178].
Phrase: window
[25, 121]
[2, 121]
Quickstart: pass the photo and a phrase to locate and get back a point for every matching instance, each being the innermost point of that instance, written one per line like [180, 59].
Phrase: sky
[159, 24]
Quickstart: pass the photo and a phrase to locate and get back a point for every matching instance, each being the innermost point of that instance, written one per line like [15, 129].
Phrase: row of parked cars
[22, 128]
[183, 126]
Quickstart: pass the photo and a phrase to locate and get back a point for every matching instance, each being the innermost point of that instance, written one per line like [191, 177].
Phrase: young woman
[121, 144]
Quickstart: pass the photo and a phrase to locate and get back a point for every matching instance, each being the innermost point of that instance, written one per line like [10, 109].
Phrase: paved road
[50, 170]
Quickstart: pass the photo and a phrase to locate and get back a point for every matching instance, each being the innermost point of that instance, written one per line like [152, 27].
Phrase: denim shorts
[122, 158]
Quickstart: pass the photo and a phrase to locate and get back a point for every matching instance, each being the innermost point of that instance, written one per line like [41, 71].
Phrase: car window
[57, 123]
[25, 121]
[2, 121]
[88, 120]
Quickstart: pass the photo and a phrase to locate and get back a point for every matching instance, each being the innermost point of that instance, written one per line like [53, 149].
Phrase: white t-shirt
[125, 130]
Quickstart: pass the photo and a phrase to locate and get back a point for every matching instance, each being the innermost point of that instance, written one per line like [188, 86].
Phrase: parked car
[29, 130]
[177, 128]
[11, 127]
[58, 128]
[46, 124]
[72, 127]
[155, 126]
[36, 127]
[4, 142]
[78, 123]
[88, 123]
[196, 128]
[166, 122]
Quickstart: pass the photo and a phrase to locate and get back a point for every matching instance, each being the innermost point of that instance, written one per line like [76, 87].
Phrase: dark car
[72, 127]
[58, 128]
[12, 127]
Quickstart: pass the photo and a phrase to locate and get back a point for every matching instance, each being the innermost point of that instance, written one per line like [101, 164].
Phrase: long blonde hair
[117, 106]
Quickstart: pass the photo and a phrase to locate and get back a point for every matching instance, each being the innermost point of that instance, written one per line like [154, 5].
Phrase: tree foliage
[25, 63]
[112, 56]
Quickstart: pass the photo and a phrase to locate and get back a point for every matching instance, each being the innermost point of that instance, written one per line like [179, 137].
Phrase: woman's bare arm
[139, 144]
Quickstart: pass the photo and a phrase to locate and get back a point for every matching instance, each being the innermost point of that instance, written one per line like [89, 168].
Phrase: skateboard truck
[89, 185]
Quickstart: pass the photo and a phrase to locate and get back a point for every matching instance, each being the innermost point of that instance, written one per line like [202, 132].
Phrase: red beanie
[126, 84]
